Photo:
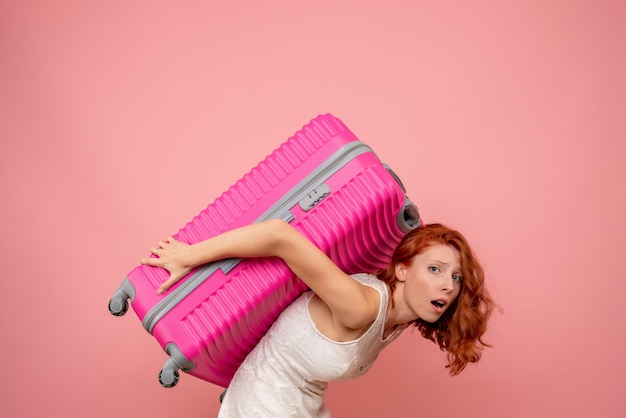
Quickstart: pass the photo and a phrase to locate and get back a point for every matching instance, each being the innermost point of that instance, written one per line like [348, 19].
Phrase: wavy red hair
[460, 329]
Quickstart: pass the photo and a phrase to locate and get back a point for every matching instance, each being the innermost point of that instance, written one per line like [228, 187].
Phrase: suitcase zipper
[279, 210]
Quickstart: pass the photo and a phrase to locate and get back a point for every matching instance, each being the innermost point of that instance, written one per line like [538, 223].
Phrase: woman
[337, 330]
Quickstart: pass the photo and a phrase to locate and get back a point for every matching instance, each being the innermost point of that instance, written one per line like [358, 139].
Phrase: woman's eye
[456, 277]
[433, 269]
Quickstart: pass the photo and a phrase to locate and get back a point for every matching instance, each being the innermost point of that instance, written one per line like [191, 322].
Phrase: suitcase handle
[395, 177]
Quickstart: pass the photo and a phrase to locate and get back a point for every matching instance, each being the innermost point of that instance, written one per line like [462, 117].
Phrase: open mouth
[439, 304]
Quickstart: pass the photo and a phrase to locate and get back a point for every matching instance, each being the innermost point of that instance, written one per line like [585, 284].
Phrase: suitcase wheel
[169, 378]
[169, 375]
[118, 307]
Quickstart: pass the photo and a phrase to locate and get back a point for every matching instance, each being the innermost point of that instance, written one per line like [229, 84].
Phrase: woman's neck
[398, 313]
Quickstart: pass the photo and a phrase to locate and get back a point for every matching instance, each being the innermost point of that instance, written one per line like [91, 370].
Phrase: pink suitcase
[328, 185]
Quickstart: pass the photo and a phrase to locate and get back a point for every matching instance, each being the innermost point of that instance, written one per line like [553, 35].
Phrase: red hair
[460, 329]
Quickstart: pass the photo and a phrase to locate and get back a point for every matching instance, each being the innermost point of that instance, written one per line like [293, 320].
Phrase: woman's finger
[167, 284]
[151, 261]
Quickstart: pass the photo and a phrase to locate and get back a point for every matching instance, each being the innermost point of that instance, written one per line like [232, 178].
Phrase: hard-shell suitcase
[324, 181]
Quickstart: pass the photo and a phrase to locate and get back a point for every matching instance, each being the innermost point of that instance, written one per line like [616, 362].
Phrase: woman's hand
[352, 305]
[170, 255]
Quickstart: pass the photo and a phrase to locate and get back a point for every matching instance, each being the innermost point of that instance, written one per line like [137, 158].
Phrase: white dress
[286, 374]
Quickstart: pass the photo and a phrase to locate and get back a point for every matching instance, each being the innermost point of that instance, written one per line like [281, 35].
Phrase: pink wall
[121, 120]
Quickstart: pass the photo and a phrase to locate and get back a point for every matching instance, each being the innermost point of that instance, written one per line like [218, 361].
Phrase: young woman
[337, 330]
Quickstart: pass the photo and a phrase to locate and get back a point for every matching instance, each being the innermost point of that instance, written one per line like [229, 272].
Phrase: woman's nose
[448, 284]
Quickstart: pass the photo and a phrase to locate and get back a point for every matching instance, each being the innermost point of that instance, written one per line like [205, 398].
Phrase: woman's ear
[400, 272]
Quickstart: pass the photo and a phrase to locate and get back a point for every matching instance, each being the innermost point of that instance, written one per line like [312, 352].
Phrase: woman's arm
[352, 304]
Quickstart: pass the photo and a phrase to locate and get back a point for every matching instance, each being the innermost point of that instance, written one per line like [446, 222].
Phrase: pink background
[121, 120]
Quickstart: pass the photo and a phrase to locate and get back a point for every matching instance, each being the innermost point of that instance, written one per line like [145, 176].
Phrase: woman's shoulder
[370, 280]
[378, 285]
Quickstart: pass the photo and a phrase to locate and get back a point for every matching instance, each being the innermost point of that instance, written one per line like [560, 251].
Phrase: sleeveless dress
[286, 374]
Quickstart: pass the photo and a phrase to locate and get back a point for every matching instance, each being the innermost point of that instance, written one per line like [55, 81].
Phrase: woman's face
[432, 281]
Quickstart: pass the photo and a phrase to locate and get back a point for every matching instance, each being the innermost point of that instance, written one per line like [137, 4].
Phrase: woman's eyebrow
[444, 263]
